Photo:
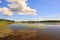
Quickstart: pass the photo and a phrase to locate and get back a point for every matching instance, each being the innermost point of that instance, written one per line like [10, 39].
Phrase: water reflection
[26, 26]
[50, 30]
[47, 32]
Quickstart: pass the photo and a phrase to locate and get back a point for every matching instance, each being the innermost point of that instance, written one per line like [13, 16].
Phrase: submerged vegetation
[19, 35]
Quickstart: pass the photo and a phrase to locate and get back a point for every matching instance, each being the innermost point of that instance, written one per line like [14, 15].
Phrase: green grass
[3, 28]
[1, 22]
[3, 25]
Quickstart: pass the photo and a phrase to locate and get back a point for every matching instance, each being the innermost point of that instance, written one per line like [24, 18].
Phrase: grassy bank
[3, 23]
[3, 27]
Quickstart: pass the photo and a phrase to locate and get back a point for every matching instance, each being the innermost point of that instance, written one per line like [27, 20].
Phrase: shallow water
[19, 26]
[51, 32]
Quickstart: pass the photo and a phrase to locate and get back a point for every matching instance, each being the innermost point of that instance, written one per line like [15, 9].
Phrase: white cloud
[20, 6]
[6, 11]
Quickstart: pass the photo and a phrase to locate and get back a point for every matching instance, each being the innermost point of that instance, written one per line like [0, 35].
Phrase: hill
[40, 21]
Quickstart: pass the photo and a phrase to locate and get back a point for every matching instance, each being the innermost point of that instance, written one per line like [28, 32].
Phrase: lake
[43, 31]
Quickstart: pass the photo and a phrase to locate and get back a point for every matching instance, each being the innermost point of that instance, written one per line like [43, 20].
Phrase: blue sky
[46, 9]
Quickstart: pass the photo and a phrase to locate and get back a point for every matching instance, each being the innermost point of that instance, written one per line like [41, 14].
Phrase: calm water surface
[48, 27]
[50, 32]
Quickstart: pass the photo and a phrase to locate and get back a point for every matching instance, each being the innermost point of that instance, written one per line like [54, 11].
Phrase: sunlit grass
[3, 23]
[4, 29]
